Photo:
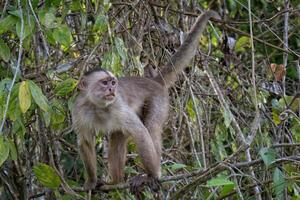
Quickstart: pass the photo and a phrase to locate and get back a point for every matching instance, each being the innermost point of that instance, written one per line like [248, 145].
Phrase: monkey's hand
[138, 182]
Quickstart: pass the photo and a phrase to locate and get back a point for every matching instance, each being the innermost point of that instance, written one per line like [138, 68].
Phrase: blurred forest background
[234, 126]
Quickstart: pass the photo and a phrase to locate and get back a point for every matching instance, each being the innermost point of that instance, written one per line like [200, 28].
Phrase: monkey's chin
[106, 102]
[110, 97]
[102, 103]
[109, 102]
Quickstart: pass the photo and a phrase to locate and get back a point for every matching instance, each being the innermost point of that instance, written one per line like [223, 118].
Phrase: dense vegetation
[234, 124]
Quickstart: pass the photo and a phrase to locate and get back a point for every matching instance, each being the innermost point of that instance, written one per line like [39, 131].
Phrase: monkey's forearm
[88, 156]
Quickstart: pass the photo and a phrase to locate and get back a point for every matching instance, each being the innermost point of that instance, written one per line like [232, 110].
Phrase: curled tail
[179, 60]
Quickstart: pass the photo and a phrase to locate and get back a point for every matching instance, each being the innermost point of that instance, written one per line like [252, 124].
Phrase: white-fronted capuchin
[129, 107]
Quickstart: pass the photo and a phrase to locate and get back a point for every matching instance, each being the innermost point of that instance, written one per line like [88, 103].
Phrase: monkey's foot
[90, 185]
[137, 184]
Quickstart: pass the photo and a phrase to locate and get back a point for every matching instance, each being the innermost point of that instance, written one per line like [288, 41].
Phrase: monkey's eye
[113, 82]
[104, 82]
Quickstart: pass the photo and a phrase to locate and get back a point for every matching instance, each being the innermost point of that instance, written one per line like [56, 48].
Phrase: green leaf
[38, 96]
[226, 189]
[177, 166]
[15, 13]
[275, 117]
[268, 155]
[111, 61]
[295, 129]
[4, 150]
[57, 112]
[5, 84]
[279, 184]
[190, 109]
[287, 100]
[49, 36]
[242, 43]
[75, 6]
[107, 5]
[227, 118]
[47, 118]
[121, 49]
[100, 24]
[47, 176]
[13, 150]
[48, 18]
[29, 26]
[66, 87]
[292, 72]
[66, 197]
[276, 105]
[19, 128]
[34, 3]
[14, 111]
[4, 51]
[24, 96]
[7, 23]
[62, 35]
[56, 2]
[220, 181]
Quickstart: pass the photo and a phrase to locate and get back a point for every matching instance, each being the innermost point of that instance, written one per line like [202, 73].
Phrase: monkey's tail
[168, 75]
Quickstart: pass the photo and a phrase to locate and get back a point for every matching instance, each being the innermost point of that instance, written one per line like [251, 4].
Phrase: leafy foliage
[4, 150]
[47, 176]
[212, 112]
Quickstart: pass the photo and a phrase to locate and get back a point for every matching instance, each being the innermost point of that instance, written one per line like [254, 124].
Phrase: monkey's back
[139, 92]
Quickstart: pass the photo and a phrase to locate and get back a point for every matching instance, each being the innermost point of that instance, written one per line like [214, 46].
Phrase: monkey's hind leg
[155, 116]
[117, 151]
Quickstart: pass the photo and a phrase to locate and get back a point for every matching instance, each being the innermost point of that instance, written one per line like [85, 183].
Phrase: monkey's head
[99, 86]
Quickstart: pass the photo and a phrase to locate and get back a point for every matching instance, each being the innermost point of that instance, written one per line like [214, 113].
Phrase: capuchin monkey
[129, 107]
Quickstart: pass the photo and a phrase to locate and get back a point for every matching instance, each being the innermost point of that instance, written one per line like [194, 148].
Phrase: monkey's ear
[82, 85]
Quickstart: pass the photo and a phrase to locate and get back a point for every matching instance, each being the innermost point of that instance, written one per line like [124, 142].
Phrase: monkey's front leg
[88, 155]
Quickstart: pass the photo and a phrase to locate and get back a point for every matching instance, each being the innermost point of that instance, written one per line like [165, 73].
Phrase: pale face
[101, 88]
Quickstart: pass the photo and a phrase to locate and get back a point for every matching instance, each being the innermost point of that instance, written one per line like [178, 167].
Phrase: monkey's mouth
[109, 97]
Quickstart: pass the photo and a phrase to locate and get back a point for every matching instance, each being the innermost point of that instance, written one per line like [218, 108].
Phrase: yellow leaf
[276, 118]
[24, 96]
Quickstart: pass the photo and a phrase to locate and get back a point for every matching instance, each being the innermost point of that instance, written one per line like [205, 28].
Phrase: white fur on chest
[105, 122]
[113, 118]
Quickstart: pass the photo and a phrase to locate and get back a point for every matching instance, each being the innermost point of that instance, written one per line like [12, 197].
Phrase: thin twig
[64, 183]
[248, 154]
[40, 28]
[224, 104]
[285, 41]
[4, 9]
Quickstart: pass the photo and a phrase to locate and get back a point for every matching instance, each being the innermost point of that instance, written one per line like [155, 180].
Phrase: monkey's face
[101, 88]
